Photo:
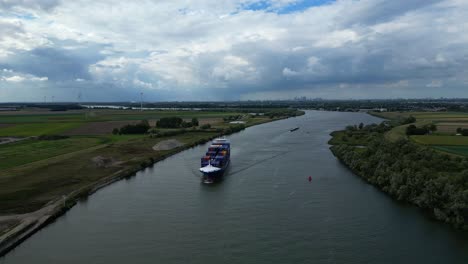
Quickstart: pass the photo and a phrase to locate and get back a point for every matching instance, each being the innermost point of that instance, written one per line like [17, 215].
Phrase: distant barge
[294, 129]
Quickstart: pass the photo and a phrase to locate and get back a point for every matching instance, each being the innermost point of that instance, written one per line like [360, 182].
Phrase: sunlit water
[265, 211]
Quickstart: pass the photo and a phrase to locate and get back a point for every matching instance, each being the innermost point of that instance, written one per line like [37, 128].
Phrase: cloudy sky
[106, 50]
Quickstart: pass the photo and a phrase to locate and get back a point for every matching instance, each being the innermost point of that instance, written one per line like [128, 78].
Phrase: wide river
[265, 210]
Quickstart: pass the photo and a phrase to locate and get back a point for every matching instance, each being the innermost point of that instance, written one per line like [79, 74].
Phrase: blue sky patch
[291, 8]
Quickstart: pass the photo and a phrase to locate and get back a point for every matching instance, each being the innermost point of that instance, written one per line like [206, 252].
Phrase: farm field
[441, 140]
[37, 129]
[23, 152]
[444, 139]
[433, 116]
[27, 188]
[457, 150]
[97, 115]
[450, 127]
[79, 151]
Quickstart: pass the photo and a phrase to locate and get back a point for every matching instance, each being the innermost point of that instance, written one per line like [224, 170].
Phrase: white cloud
[14, 79]
[199, 45]
[39, 79]
[142, 84]
[289, 73]
[337, 39]
[435, 83]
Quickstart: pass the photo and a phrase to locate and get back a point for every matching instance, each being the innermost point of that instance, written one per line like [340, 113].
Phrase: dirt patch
[450, 128]
[6, 125]
[168, 144]
[105, 162]
[6, 140]
[98, 128]
[8, 224]
[210, 121]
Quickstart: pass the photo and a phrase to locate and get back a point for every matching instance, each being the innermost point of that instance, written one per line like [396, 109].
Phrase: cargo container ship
[216, 160]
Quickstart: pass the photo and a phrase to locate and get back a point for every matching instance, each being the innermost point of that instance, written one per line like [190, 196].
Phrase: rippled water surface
[265, 211]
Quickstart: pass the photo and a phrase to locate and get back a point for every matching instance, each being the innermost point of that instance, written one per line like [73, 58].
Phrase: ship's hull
[212, 177]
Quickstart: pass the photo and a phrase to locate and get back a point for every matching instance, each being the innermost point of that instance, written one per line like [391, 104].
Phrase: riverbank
[97, 166]
[408, 172]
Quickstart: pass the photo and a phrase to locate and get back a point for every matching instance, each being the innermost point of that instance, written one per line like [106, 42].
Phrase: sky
[205, 50]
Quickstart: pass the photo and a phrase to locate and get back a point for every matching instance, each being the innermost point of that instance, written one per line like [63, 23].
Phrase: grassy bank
[36, 173]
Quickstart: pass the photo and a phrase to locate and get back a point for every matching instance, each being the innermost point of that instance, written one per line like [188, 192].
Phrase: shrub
[464, 132]
[206, 126]
[51, 137]
[186, 124]
[194, 121]
[413, 130]
[169, 122]
[139, 128]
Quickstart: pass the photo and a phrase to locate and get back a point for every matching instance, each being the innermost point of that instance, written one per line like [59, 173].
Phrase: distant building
[8, 109]
[237, 122]
[365, 110]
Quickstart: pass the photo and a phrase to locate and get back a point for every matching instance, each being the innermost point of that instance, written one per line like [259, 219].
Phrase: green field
[444, 139]
[23, 152]
[396, 133]
[107, 115]
[37, 129]
[422, 115]
[441, 140]
[458, 150]
[35, 172]
[28, 187]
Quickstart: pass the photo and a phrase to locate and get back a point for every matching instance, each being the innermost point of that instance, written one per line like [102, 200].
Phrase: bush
[140, 128]
[194, 121]
[169, 122]
[206, 126]
[186, 124]
[413, 130]
[409, 120]
[51, 137]
[157, 134]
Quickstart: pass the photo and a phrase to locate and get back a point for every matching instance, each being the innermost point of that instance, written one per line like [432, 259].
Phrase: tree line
[413, 173]
[166, 122]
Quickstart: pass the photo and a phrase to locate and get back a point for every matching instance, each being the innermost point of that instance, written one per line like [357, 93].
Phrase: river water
[265, 210]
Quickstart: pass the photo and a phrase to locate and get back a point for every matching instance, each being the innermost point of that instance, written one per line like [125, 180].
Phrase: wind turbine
[141, 101]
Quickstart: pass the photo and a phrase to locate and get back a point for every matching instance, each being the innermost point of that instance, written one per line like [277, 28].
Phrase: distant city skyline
[206, 50]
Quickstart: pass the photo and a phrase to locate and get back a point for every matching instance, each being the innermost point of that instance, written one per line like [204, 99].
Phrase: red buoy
[310, 178]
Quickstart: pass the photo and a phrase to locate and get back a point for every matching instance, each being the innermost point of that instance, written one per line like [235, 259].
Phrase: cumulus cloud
[19, 78]
[28, 4]
[238, 48]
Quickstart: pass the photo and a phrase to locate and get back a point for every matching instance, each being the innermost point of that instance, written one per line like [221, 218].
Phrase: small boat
[293, 129]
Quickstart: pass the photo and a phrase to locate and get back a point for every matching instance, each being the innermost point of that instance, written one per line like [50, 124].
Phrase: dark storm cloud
[380, 11]
[57, 64]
